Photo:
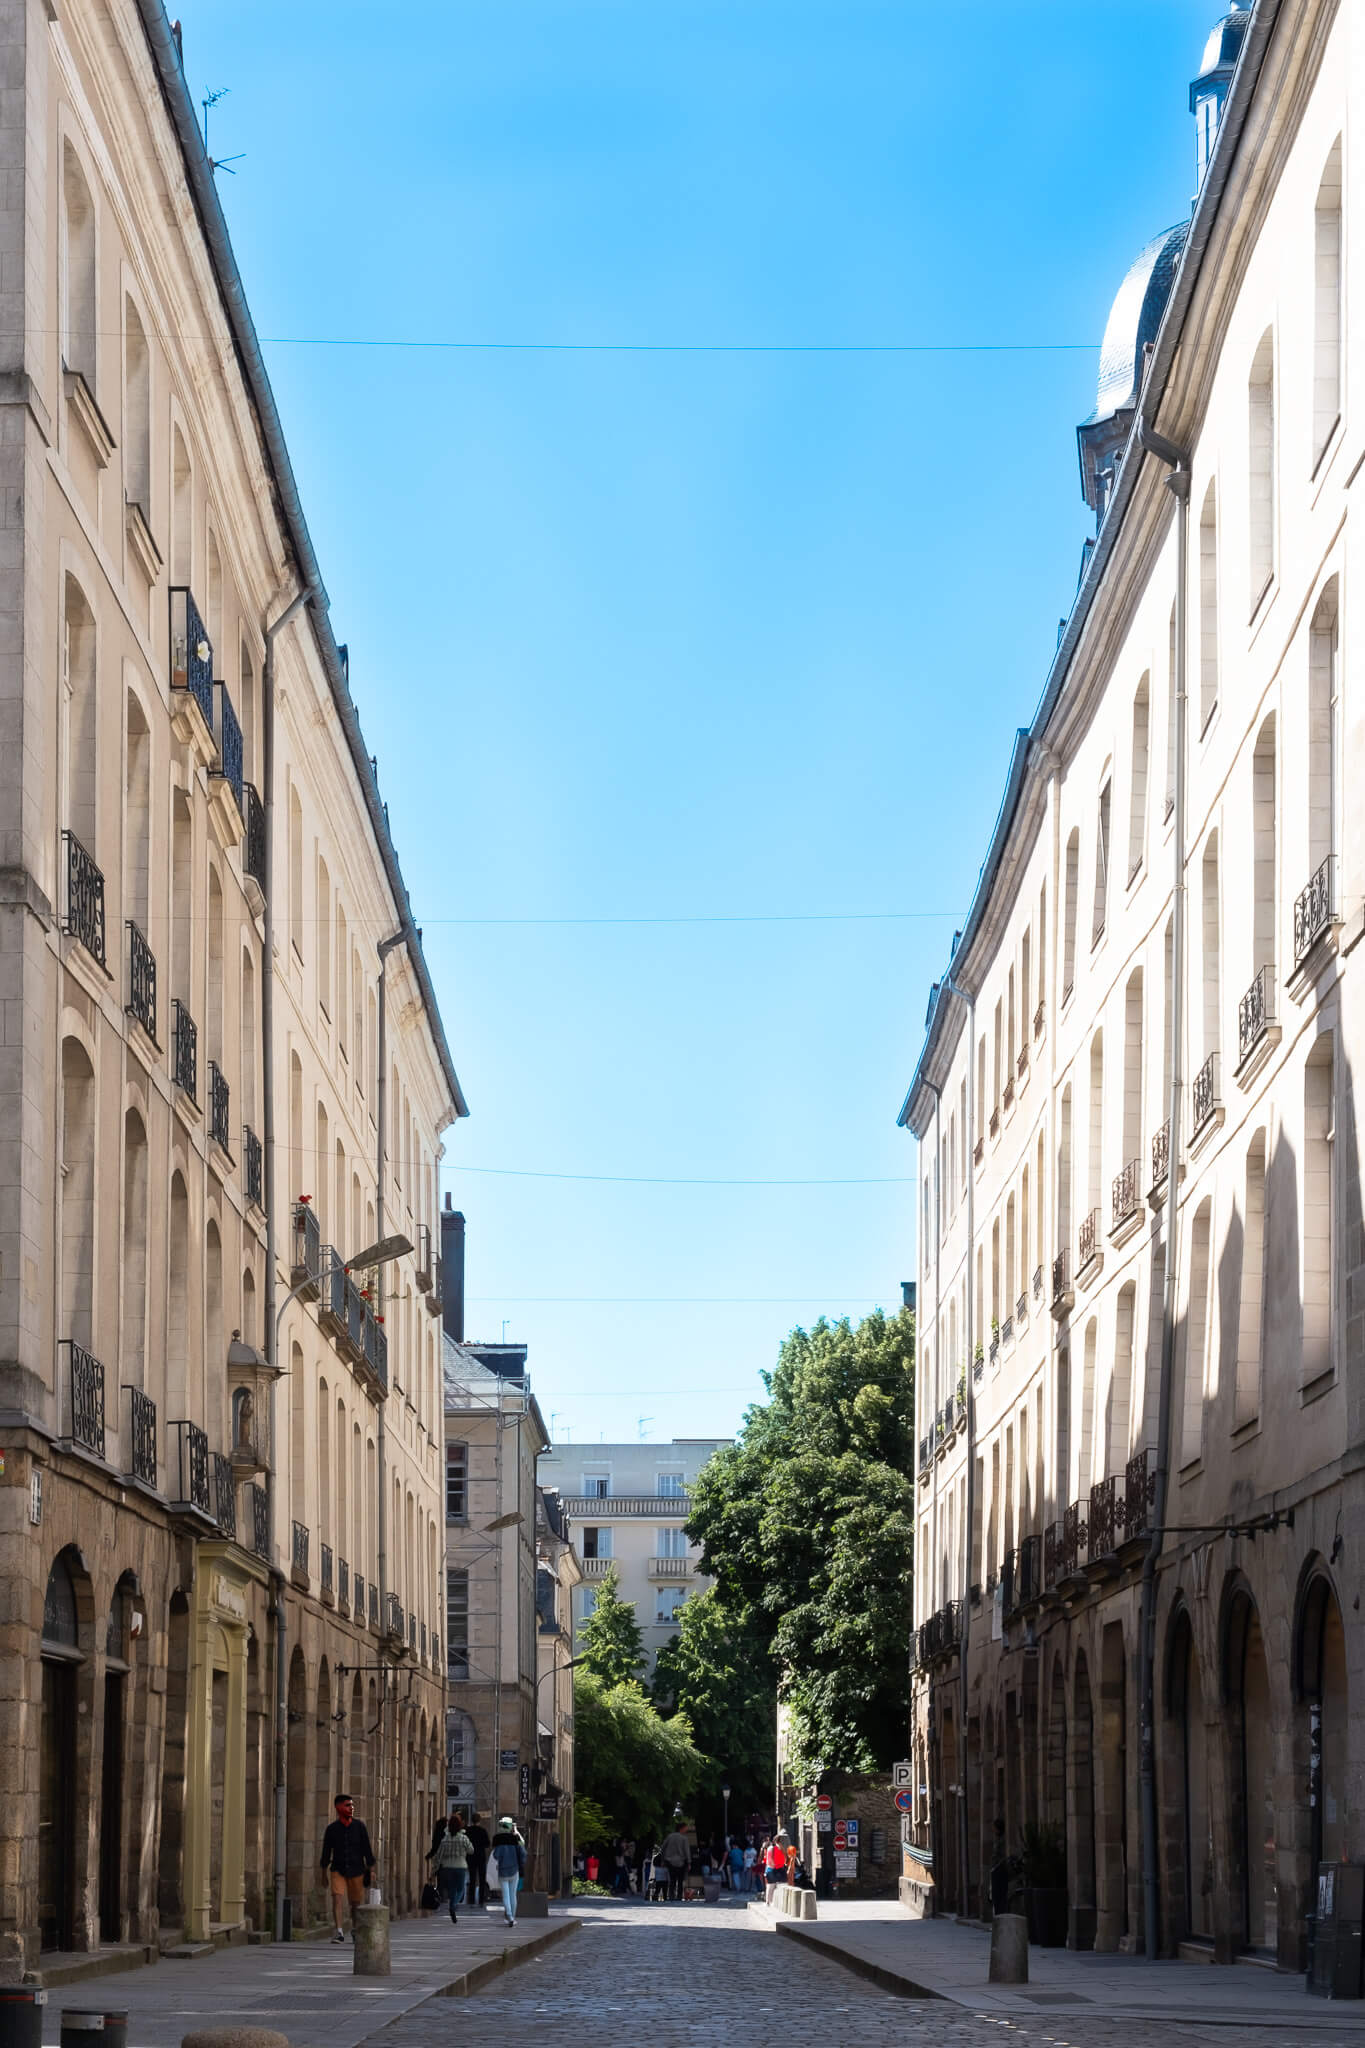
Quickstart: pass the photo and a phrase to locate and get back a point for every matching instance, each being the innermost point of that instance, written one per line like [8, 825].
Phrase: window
[78, 269]
[671, 1543]
[1211, 946]
[1172, 717]
[324, 925]
[1319, 1218]
[457, 1479]
[1132, 1070]
[1191, 1413]
[587, 1603]
[1137, 789]
[457, 1622]
[670, 1599]
[1073, 875]
[1264, 838]
[597, 1485]
[296, 871]
[1261, 467]
[137, 414]
[1101, 868]
[1252, 1322]
[1120, 1395]
[461, 1759]
[1324, 731]
[78, 714]
[1327, 305]
[1208, 607]
[597, 1542]
[182, 511]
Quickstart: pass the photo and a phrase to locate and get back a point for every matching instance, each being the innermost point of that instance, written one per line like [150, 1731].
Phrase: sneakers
[339, 1936]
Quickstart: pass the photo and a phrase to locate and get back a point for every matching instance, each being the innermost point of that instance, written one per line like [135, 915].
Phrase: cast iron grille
[192, 1460]
[1103, 1520]
[225, 1496]
[358, 1604]
[1052, 1552]
[184, 1050]
[1021, 1307]
[1030, 1580]
[299, 1549]
[377, 1351]
[307, 1252]
[343, 1582]
[1073, 1536]
[357, 1315]
[412, 1631]
[424, 1642]
[253, 853]
[326, 1559]
[260, 1521]
[251, 1165]
[1126, 1196]
[926, 1450]
[1256, 1012]
[141, 1004]
[84, 918]
[229, 735]
[1007, 1330]
[191, 654]
[142, 1435]
[1139, 1493]
[1061, 1276]
[394, 1616]
[87, 1398]
[1207, 1095]
[1088, 1239]
[373, 1592]
[1037, 1283]
[1161, 1153]
[220, 1106]
[1316, 908]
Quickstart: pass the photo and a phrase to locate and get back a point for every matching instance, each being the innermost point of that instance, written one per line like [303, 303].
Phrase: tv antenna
[220, 163]
[640, 1422]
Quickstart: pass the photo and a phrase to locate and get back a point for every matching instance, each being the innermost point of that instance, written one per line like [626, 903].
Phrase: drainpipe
[384, 948]
[272, 633]
[1178, 483]
[969, 1513]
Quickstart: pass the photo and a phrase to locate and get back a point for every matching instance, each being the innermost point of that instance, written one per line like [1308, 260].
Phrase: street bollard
[235, 2037]
[115, 2026]
[80, 2028]
[1009, 1949]
[371, 1941]
[21, 2015]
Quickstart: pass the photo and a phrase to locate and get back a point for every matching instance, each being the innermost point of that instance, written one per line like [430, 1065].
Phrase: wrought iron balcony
[1088, 1240]
[225, 1496]
[393, 1616]
[141, 1436]
[1037, 1283]
[192, 1467]
[1139, 1496]
[184, 1050]
[995, 1122]
[84, 917]
[1316, 908]
[358, 1602]
[1208, 1094]
[1038, 1020]
[1102, 1520]
[423, 1273]
[253, 851]
[1255, 1013]
[412, 1631]
[306, 1252]
[1007, 1330]
[228, 734]
[220, 1107]
[1028, 1582]
[325, 1558]
[926, 1450]
[373, 1592]
[332, 1291]
[377, 1351]
[260, 1521]
[1127, 1195]
[141, 1003]
[1021, 1064]
[357, 1318]
[1161, 1153]
[1062, 1294]
[191, 652]
[343, 1583]
[424, 1642]
[252, 1176]
[1021, 1306]
[87, 1397]
[995, 1352]
[1074, 1536]
[299, 1548]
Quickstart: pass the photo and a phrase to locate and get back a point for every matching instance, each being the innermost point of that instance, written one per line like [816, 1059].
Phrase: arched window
[77, 1184]
[1171, 719]
[1324, 771]
[60, 1626]
[1121, 1380]
[1251, 1322]
[214, 1340]
[137, 819]
[137, 415]
[1196, 1338]
[1100, 907]
[247, 1042]
[1261, 467]
[1095, 1137]
[134, 1275]
[324, 924]
[295, 871]
[321, 1153]
[178, 1300]
[1137, 786]
[79, 716]
[1327, 304]
[182, 511]
[1073, 877]
[298, 1165]
[1212, 948]
[1264, 842]
[1319, 1209]
[79, 325]
[214, 1019]
[182, 899]
[1208, 606]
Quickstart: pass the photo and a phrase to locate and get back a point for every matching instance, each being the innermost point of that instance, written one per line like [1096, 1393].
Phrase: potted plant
[1044, 1876]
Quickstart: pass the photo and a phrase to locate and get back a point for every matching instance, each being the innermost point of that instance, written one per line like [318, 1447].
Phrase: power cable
[656, 1180]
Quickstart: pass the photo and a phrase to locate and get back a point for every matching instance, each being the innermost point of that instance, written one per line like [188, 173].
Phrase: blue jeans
[509, 1896]
[450, 1882]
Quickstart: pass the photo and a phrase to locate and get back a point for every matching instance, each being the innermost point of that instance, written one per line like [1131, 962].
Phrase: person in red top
[775, 1861]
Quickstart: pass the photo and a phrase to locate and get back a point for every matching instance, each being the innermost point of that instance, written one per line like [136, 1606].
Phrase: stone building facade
[1140, 1253]
[220, 1546]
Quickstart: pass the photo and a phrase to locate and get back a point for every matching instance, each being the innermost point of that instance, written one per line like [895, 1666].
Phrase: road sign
[823, 1802]
[547, 1806]
[845, 1863]
[524, 1786]
[902, 1774]
[508, 1759]
[905, 1800]
[851, 1830]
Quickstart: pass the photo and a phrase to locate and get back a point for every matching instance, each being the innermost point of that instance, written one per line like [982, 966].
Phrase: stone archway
[299, 1800]
[1192, 1894]
[1112, 1906]
[1251, 1780]
[171, 1848]
[1080, 1848]
[1054, 1759]
[1321, 1725]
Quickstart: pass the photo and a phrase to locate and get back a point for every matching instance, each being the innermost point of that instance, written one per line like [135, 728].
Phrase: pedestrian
[507, 1865]
[737, 1866]
[775, 1863]
[676, 1855]
[478, 1861]
[621, 1879]
[349, 1860]
[453, 1852]
[750, 1859]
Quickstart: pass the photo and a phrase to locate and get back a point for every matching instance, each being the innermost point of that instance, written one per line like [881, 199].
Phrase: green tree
[628, 1760]
[719, 1671]
[610, 1643]
[806, 1524]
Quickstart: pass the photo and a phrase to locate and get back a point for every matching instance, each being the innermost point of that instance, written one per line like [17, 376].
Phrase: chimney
[452, 1271]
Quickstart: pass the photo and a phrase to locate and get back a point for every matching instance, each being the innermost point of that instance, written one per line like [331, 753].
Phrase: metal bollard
[21, 2016]
[78, 2028]
[83, 2018]
[1009, 1949]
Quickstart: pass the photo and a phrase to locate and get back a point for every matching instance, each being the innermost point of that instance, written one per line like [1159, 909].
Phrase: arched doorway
[324, 1791]
[116, 1671]
[1321, 1714]
[1054, 1779]
[1081, 1846]
[171, 1849]
[1111, 1876]
[1186, 1695]
[1252, 1778]
[299, 1798]
[61, 1656]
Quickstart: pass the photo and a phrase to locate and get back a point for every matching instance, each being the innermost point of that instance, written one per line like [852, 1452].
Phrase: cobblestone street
[677, 1976]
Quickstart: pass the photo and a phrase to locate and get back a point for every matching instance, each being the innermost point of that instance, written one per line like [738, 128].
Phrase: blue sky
[699, 636]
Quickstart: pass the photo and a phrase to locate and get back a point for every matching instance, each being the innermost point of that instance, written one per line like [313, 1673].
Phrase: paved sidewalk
[307, 1989]
[940, 1959]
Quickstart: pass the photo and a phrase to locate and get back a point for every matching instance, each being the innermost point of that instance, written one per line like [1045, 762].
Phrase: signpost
[525, 1786]
[547, 1806]
[905, 1800]
[508, 1759]
[902, 1774]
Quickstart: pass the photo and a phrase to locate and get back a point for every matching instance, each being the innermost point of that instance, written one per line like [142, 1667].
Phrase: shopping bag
[431, 1898]
[374, 1897]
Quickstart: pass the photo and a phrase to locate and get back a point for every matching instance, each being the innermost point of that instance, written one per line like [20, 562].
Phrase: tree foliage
[610, 1642]
[629, 1761]
[806, 1524]
[718, 1671]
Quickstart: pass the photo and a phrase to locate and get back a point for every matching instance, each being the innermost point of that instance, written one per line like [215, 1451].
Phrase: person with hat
[507, 1859]
[348, 1859]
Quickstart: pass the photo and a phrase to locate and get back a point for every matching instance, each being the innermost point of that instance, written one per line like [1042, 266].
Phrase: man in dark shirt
[348, 1858]
[478, 1862]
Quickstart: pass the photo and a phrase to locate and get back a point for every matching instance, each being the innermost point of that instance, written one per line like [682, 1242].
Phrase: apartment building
[1139, 1246]
[625, 1505]
[558, 1572]
[227, 1077]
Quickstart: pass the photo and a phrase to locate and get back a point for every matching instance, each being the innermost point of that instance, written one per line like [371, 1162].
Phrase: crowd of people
[467, 1865]
[676, 1864]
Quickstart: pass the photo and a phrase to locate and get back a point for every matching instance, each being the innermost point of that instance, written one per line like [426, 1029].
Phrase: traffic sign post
[905, 1800]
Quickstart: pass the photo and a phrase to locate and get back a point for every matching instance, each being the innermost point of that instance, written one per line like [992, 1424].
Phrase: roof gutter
[165, 51]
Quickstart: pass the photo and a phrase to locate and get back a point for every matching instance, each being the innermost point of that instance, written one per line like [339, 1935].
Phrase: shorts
[352, 1888]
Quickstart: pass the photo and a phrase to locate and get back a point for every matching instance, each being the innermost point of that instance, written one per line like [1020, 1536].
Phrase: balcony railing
[670, 1568]
[393, 1617]
[184, 1050]
[1207, 1094]
[191, 653]
[141, 1003]
[1316, 908]
[1037, 1283]
[84, 918]
[1255, 1013]
[1021, 1307]
[1139, 1495]
[1073, 1536]
[424, 1642]
[260, 1521]
[605, 1507]
[1007, 1330]
[1038, 1016]
[435, 1650]
[343, 1582]
[225, 1496]
[253, 851]
[325, 1559]
[995, 1352]
[926, 1450]
[423, 1273]
[1161, 1153]
[228, 734]
[252, 1178]
[1062, 1295]
[87, 1398]
[412, 1631]
[332, 1290]
[1021, 1064]
[1102, 1519]
[306, 1253]
[373, 1592]
[995, 1122]
[299, 1548]
[377, 1350]
[220, 1107]
[1088, 1240]
[358, 1600]
[192, 1467]
[141, 1436]
[1127, 1195]
[978, 1151]
[1028, 1583]
[357, 1316]
[941, 1634]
